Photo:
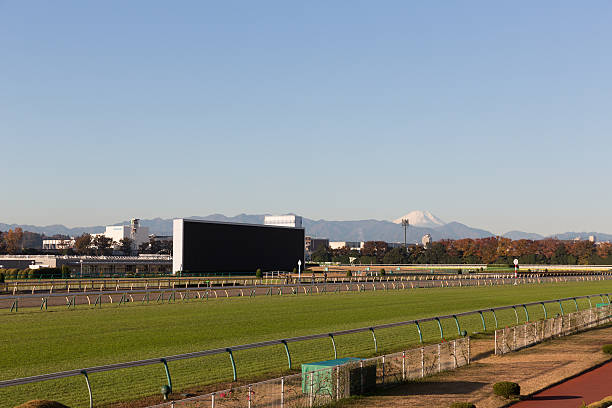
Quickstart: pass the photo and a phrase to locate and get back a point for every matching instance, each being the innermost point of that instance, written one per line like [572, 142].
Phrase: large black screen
[224, 248]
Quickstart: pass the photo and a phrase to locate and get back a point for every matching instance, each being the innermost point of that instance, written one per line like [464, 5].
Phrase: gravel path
[534, 369]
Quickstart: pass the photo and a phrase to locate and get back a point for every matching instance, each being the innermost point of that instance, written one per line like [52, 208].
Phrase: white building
[58, 243]
[426, 240]
[352, 245]
[133, 231]
[293, 221]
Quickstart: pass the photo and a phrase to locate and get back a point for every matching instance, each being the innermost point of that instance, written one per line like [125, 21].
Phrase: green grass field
[37, 342]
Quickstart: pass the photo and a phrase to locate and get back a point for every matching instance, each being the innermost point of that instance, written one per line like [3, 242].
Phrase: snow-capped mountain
[423, 219]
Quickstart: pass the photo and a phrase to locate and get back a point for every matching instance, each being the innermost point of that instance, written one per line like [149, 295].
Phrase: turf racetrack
[35, 342]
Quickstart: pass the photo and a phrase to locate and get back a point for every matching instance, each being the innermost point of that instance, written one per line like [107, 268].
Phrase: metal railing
[286, 341]
[167, 282]
[322, 387]
[12, 301]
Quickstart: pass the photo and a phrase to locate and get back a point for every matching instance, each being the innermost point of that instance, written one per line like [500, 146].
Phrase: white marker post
[515, 268]
[299, 270]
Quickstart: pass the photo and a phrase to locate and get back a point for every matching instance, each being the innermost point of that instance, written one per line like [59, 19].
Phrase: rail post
[526, 313]
[561, 307]
[165, 363]
[440, 327]
[334, 345]
[88, 388]
[544, 308]
[287, 351]
[484, 325]
[458, 327]
[374, 337]
[494, 317]
[419, 330]
[575, 303]
[229, 350]
[515, 314]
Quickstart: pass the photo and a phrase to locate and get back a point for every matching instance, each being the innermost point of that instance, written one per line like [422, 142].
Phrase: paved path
[588, 388]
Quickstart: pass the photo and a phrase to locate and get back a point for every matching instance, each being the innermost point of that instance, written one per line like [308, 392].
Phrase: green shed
[321, 373]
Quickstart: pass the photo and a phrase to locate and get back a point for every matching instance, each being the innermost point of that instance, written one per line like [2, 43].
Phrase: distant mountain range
[421, 223]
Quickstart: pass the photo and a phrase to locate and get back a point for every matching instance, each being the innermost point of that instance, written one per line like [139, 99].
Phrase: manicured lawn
[36, 342]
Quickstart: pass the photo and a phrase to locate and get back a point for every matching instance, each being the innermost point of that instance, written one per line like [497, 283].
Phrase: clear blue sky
[497, 115]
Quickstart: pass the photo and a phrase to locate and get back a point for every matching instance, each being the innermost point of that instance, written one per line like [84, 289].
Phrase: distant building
[426, 240]
[133, 231]
[163, 238]
[592, 238]
[314, 244]
[352, 245]
[293, 221]
[392, 245]
[58, 243]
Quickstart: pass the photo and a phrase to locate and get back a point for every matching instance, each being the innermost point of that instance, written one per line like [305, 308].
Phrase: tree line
[16, 241]
[491, 250]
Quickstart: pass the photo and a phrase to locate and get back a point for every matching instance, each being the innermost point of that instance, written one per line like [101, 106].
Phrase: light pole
[299, 270]
[405, 224]
[81, 261]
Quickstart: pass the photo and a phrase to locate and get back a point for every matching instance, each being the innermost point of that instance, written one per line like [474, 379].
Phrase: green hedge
[507, 389]
[607, 349]
[606, 402]
[462, 405]
[42, 273]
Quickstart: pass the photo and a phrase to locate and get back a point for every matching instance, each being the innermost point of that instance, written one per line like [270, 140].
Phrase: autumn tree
[82, 244]
[376, 249]
[13, 240]
[582, 250]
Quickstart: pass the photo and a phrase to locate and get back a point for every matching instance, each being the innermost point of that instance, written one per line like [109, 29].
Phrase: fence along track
[98, 297]
[322, 387]
[125, 284]
[286, 342]
[526, 335]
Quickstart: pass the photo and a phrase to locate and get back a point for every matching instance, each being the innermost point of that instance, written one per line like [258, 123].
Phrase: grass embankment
[35, 342]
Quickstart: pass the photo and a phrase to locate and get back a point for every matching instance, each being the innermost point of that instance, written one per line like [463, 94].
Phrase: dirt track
[533, 368]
